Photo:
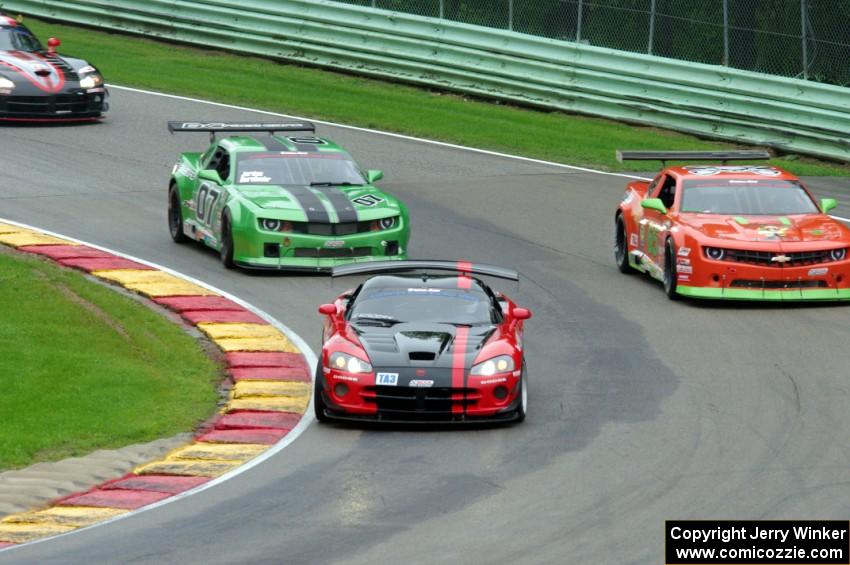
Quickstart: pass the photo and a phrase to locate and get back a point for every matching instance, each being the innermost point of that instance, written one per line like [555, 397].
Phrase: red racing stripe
[459, 368]
[463, 280]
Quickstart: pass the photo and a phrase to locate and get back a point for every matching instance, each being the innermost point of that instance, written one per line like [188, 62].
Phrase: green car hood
[369, 202]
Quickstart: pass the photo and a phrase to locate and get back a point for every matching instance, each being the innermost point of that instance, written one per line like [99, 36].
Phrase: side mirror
[827, 204]
[327, 309]
[211, 175]
[374, 176]
[521, 313]
[654, 204]
[52, 44]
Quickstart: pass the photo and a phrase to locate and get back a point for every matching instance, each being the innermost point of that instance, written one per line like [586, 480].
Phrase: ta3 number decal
[386, 379]
[205, 201]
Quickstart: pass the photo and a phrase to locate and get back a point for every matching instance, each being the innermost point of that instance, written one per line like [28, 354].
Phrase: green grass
[83, 367]
[318, 94]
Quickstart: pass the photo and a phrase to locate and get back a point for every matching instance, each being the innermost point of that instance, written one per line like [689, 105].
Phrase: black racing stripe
[313, 206]
[273, 144]
[341, 203]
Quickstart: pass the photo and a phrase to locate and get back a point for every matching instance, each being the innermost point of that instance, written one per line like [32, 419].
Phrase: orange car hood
[800, 228]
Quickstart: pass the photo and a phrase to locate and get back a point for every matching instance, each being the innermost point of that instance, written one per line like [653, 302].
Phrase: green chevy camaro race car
[282, 199]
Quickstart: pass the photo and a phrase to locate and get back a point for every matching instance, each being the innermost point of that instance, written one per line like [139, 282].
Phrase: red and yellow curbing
[271, 392]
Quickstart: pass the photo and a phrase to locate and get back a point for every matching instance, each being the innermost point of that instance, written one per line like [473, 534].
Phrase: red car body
[704, 249]
[419, 370]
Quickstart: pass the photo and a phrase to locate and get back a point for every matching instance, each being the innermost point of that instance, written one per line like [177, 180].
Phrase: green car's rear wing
[240, 127]
[664, 156]
[463, 267]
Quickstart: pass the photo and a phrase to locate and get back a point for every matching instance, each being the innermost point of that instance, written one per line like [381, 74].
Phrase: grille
[416, 401]
[342, 252]
[344, 228]
[765, 258]
[744, 283]
[50, 105]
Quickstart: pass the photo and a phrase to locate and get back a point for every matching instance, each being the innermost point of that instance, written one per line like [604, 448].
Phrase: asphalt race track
[641, 409]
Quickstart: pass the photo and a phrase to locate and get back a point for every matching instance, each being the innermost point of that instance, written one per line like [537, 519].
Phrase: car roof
[743, 172]
[421, 281]
[280, 143]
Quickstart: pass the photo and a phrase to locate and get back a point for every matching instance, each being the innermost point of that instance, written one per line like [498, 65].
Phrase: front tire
[522, 409]
[226, 250]
[670, 283]
[621, 246]
[175, 216]
[319, 406]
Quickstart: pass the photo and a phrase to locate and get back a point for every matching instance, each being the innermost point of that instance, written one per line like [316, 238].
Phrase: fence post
[803, 21]
[579, 15]
[725, 33]
[651, 28]
[442, 9]
[510, 15]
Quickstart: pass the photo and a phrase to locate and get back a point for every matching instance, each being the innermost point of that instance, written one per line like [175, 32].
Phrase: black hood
[40, 72]
[421, 345]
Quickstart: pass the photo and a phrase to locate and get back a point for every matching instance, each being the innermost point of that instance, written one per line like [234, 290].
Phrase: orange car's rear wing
[664, 156]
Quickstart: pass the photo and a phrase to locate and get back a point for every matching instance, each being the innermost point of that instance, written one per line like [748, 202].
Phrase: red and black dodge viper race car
[745, 232]
[409, 345]
[39, 85]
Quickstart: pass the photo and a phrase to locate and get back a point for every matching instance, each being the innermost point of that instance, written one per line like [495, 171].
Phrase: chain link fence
[807, 39]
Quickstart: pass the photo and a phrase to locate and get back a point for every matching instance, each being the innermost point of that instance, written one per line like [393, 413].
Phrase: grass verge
[264, 84]
[83, 367]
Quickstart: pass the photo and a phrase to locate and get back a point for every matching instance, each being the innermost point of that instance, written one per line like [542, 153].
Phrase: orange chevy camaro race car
[745, 232]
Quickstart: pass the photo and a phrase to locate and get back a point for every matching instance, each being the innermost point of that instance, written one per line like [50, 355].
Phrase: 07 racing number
[205, 201]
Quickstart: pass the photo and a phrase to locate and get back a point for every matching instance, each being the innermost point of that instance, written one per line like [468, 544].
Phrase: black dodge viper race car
[422, 347]
[40, 85]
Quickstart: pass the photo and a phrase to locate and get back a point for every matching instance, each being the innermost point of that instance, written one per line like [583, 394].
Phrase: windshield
[18, 39]
[421, 304]
[297, 169]
[768, 197]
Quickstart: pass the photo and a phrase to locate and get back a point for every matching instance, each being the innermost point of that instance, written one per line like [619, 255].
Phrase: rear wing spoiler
[664, 156]
[213, 127]
[463, 267]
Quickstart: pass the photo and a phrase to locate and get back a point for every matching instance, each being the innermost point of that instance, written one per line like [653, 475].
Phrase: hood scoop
[422, 355]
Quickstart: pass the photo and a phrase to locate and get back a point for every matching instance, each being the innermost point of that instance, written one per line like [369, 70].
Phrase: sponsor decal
[494, 381]
[386, 379]
[335, 243]
[421, 383]
[633, 240]
[368, 200]
[307, 140]
[232, 126]
[818, 272]
[253, 176]
[684, 251]
[748, 169]
[682, 261]
[683, 278]
[772, 232]
[684, 269]
[346, 378]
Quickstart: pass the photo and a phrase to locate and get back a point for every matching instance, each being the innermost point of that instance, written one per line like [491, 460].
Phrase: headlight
[838, 254]
[269, 224]
[349, 363]
[715, 253]
[6, 83]
[501, 364]
[386, 223]
[91, 81]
